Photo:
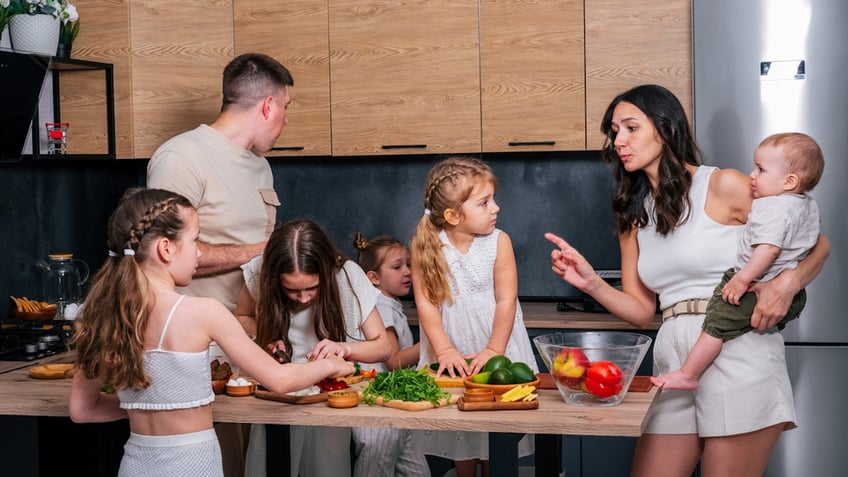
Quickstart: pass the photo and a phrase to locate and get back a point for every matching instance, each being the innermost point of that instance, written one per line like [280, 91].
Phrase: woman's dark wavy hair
[299, 246]
[671, 199]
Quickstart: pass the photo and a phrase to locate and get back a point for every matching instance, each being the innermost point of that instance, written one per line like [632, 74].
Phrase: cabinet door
[179, 50]
[531, 70]
[104, 37]
[295, 32]
[404, 77]
[633, 43]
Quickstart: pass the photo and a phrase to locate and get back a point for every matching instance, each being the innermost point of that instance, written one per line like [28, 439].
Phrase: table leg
[503, 454]
[277, 447]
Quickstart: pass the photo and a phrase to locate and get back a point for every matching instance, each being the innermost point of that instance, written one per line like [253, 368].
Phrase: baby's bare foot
[675, 380]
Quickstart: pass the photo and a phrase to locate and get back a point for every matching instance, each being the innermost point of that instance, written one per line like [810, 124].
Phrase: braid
[146, 222]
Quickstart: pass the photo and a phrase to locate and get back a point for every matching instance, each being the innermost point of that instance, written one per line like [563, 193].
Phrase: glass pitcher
[63, 279]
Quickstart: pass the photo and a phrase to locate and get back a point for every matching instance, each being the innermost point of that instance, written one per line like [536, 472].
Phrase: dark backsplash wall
[62, 206]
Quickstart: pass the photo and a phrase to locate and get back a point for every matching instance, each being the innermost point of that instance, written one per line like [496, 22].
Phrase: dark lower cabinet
[55, 446]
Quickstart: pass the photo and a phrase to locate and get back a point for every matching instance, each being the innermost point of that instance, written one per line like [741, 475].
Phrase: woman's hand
[569, 265]
[773, 300]
[326, 348]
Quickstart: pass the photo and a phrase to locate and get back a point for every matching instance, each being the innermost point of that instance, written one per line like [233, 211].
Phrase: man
[220, 169]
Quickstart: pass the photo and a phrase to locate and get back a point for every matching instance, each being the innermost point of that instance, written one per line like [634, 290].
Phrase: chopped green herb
[404, 384]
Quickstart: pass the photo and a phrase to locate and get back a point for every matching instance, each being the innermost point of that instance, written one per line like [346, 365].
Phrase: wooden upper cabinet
[532, 75]
[295, 32]
[404, 77]
[633, 43]
[179, 50]
[104, 37]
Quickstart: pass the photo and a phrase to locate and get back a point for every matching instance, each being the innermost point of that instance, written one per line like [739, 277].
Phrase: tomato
[331, 384]
[603, 379]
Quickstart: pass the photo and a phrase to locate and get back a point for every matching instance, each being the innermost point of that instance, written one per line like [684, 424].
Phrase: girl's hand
[453, 362]
[341, 368]
[326, 348]
[278, 350]
[773, 300]
[480, 359]
[569, 265]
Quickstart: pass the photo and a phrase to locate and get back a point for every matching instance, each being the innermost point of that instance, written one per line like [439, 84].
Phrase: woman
[678, 224]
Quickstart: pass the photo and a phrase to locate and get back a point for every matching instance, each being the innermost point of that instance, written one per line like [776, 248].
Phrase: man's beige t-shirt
[232, 189]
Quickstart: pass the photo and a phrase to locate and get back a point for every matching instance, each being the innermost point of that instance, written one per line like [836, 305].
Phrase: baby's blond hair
[802, 156]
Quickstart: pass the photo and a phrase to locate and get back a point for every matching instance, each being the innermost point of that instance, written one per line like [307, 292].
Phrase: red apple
[570, 367]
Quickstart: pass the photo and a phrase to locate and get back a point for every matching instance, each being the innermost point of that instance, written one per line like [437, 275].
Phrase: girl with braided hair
[465, 283]
[137, 334]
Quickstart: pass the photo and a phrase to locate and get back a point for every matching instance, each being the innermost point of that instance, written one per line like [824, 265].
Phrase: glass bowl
[593, 368]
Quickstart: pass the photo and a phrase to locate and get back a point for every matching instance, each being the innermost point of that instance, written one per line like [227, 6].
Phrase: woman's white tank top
[689, 262]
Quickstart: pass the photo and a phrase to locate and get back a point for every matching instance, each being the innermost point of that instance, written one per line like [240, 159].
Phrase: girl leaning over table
[310, 303]
[136, 333]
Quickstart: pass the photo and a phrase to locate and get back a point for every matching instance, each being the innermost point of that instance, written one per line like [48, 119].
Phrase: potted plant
[34, 25]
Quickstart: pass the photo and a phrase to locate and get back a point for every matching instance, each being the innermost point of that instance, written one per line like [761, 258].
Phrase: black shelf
[68, 65]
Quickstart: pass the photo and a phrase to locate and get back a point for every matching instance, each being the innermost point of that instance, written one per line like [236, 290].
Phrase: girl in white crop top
[137, 334]
[677, 223]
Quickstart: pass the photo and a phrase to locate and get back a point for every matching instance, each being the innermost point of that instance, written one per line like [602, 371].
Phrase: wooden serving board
[640, 384]
[290, 398]
[415, 405]
[496, 405]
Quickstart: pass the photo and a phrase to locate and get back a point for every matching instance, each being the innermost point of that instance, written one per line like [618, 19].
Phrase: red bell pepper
[603, 379]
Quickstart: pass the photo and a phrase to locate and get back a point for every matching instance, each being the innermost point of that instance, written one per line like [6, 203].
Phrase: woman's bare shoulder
[732, 189]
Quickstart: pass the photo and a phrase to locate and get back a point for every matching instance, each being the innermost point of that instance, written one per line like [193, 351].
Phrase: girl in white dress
[466, 291]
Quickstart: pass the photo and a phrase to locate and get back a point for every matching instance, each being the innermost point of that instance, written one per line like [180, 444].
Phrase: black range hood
[22, 77]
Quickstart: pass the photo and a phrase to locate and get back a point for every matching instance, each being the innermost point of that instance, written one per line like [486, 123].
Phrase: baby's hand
[733, 290]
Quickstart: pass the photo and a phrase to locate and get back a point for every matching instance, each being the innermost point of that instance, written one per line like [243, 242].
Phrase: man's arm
[219, 258]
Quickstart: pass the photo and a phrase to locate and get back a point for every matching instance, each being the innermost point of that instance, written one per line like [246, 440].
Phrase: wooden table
[24, 396]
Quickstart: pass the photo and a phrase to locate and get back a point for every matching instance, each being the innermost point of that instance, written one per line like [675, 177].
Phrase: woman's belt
[695, 306]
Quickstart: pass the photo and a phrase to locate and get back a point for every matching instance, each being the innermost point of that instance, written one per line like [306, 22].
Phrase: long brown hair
[671, 199]
[299, 246]
[110, 329]
[449, 184]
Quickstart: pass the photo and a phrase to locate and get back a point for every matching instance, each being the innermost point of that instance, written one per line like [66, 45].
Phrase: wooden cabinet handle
[532, 143]
[404, 146]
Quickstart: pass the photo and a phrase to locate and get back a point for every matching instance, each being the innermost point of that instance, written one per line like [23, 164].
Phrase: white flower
[4, 3]
[69, 13]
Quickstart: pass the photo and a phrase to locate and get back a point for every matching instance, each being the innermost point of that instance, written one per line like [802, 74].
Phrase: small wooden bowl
[478, 395]
[239, 391]
[342, 398]
[497, 389]
[219, 386]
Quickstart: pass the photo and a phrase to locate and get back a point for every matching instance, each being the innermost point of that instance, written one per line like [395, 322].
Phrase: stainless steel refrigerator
[767, 66]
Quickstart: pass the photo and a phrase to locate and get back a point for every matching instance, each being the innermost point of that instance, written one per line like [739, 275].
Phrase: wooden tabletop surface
[23, 395]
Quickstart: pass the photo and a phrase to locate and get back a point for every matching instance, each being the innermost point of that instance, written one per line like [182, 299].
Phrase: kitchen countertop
[544, 315]
[23, 395]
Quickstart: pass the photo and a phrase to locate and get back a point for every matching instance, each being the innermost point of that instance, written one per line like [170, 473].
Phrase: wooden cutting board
[415, 405]
[445, 381]
[290, 398]
[496, 405]
[52, 371]
[640, 384]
